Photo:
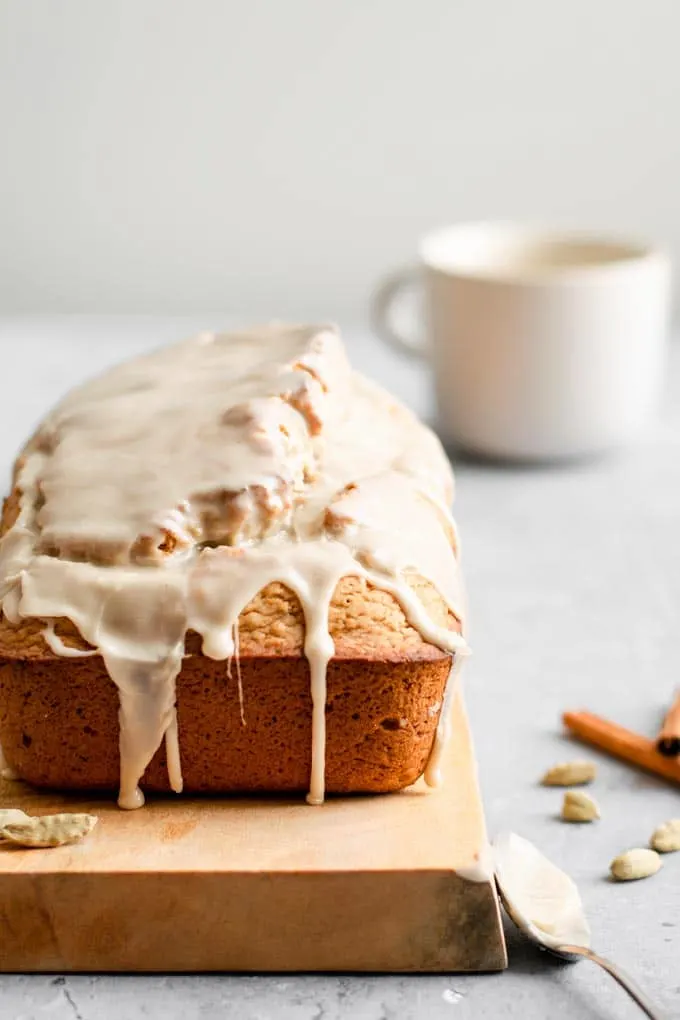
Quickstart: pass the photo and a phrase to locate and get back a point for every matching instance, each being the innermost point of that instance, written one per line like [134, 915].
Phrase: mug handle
[381, 312]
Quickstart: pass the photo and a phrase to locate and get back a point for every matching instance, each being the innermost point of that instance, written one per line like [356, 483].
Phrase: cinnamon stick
[622, 743]
[668, 740]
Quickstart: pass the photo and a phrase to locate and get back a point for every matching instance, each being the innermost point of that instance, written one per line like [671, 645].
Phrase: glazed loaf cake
[229, 566]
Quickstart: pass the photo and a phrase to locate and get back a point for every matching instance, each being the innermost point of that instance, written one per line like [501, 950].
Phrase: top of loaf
[222, 440]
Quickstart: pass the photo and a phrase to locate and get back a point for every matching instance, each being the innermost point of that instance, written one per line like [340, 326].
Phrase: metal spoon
[545, 904]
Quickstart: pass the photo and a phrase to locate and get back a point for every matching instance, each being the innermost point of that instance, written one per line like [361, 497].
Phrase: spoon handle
[623, 979]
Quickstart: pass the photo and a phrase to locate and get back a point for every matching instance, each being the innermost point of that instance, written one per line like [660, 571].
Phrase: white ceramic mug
[543, 345]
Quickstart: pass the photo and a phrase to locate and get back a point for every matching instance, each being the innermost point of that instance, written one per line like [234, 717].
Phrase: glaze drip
[163, 496]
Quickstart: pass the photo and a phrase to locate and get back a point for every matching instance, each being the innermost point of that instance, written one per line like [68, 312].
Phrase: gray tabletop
[574, 580]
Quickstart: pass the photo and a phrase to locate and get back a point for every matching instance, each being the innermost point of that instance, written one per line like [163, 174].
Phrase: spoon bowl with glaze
[545, 904]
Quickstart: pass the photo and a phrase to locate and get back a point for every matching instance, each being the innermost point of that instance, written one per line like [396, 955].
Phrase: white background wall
[275, 156]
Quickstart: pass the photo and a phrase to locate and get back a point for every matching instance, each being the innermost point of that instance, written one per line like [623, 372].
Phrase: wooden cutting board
[367, 883]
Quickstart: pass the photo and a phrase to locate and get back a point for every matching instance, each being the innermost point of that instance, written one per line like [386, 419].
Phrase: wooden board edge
[389, 922]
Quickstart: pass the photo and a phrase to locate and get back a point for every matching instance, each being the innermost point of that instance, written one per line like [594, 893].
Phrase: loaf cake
[229, 566]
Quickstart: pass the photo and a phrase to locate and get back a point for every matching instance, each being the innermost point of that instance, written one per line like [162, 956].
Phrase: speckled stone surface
[574, 581]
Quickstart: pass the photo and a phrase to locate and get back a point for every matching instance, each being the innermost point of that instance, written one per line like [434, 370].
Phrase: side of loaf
[266, 599]
[58, 716]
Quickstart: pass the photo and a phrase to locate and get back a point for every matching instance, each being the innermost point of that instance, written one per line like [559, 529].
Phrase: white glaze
[481, 869]
[433, 770]
[6, 772]
[59, 648]
[262, 443]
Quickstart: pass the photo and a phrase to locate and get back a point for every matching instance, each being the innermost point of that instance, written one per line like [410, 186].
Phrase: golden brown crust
[59, 724]
[364, 622]
[59, 716]
[10, 511]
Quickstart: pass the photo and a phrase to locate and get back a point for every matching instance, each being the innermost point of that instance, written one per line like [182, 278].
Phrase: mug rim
[617, 252]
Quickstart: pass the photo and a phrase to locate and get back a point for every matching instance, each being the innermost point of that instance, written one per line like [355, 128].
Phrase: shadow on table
[468, 461]
[527, 959]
